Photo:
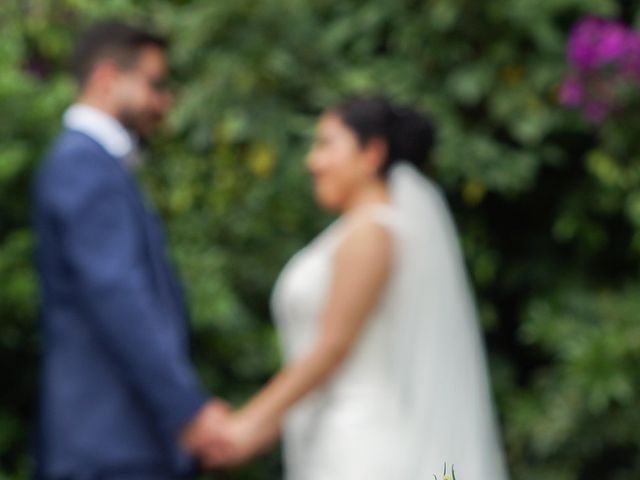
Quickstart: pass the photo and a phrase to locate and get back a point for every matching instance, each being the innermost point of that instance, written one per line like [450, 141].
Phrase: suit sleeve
[102, 246]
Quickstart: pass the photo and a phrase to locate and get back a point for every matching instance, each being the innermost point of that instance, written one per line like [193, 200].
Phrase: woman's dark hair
[113, 40]
[409, 134]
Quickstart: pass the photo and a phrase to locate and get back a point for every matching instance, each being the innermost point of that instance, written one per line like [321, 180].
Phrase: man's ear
[103, 75]
[375, 154]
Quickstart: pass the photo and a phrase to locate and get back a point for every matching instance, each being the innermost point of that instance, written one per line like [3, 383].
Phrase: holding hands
[223, 438]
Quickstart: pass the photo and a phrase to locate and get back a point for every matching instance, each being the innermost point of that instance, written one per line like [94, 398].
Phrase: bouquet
[445, 476]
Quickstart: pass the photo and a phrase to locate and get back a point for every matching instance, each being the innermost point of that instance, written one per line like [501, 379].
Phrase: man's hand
[203, 433]
[221, 438]
[241, 437]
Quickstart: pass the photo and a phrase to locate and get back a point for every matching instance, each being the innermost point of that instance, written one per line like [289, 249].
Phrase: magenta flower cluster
[604, 57]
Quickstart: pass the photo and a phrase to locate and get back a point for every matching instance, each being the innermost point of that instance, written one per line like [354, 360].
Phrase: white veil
[439, 363]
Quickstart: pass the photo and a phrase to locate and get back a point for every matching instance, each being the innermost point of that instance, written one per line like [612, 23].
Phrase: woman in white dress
[385, 374]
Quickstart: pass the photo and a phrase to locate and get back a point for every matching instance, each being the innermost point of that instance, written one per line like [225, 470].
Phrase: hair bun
[411, 135]
[408, 133]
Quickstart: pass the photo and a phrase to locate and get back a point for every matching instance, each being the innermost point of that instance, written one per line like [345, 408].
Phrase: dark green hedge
[548, 207]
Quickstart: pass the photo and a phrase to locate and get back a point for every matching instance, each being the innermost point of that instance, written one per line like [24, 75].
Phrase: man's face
[141, 93]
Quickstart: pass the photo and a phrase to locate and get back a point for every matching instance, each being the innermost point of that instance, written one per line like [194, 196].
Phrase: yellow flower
[261, 159]
[473, 192]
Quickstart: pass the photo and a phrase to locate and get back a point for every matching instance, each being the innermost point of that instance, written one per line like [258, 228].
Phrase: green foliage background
[548, 208]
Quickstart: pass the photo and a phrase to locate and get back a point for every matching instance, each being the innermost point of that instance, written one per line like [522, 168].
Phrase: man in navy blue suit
[119, 396]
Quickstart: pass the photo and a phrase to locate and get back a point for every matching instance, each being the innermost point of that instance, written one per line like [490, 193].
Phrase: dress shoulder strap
[382, 214]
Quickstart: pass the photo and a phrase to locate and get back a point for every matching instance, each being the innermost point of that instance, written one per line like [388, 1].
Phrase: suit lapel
[163, 276]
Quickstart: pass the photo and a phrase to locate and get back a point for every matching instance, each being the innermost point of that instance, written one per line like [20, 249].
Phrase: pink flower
[571, 92]
[604, 56]
[631, 63]
[596, 42]
[596, 111]
[612, 45]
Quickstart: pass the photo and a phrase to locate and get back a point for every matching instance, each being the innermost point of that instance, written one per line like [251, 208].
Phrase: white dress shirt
[105, 130]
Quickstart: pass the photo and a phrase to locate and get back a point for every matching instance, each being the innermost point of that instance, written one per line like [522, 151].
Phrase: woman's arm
[362, 267]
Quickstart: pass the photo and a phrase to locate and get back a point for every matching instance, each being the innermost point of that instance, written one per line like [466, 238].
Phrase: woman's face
[337, 163]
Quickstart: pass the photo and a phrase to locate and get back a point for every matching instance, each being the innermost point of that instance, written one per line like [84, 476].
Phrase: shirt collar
[104, 129]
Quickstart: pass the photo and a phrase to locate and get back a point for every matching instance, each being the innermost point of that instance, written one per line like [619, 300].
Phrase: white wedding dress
[414, 392]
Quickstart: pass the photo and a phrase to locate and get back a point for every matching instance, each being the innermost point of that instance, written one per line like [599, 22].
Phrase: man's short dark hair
[111, 40]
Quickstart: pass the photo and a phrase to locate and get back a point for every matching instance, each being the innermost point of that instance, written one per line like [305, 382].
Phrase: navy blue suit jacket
[117, 382]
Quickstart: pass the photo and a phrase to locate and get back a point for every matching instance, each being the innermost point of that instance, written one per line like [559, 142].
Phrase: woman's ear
[375, 154]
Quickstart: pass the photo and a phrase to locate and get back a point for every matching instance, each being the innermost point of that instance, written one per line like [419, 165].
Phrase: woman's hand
[243, 435]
